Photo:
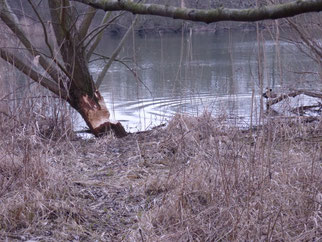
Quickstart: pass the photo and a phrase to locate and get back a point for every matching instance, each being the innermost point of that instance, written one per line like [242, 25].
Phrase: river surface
[166, 74]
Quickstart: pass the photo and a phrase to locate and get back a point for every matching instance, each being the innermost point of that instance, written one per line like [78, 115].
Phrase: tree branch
[9, 19]
[34, 75]
[54, 7]
[213, 15]
[310, 44]
[86, 23]
[114, 55]
[47, 40]
[43, 28]
[97, 31]
[99, 35]
[293, 94]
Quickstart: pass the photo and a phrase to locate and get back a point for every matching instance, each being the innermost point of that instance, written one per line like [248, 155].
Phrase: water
[171, 73]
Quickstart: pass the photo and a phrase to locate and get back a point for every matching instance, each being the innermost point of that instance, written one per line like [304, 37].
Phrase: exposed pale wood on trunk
[84, 96]
[71, 78]
[96, 115]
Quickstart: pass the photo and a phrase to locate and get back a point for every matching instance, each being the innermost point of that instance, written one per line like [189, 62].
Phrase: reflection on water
[216, 71]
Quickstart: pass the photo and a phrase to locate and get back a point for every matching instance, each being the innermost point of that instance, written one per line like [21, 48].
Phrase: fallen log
[301, 110]
[295, 93]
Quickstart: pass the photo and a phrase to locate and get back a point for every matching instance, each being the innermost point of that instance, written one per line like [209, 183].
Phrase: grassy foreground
[197, 179]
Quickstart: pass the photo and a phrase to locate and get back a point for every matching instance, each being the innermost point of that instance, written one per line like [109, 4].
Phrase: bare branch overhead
[210, 15]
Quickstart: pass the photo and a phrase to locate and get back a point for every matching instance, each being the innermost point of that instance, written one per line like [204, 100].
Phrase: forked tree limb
[67, 36]
[275, 11]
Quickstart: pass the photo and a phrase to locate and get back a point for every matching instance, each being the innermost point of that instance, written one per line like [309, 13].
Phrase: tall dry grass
[34, 190]
[226, 184]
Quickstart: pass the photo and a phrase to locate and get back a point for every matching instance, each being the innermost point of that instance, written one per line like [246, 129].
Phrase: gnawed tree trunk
[96, 115]
[67, 73]
[83, 94]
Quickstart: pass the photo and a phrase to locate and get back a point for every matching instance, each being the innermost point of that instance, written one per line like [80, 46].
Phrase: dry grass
[195, 180]
[234, 185]
[34, 192]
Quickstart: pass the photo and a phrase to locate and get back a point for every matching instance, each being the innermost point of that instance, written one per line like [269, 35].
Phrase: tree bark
[275, 11]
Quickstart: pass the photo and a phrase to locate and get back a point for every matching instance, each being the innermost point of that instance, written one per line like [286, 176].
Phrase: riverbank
[195, 179]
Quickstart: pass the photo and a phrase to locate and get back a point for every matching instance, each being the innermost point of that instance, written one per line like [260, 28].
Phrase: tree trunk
[96, 115]
[83, 93]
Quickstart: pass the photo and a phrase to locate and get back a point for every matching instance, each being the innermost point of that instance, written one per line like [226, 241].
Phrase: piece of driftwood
[301, 110]
[294, 93]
